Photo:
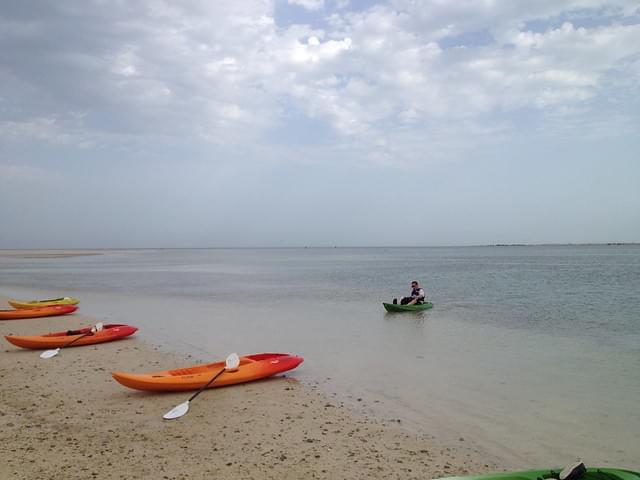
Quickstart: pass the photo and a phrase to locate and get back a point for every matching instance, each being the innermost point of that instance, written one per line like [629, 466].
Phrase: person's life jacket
[416, 292]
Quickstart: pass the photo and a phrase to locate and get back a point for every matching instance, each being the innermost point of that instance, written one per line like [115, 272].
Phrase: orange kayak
[37, 312]
[59, 339]
[44, 303]
[252, 367]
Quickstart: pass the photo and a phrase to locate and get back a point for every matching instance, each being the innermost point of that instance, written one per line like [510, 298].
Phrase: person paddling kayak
[416, 297]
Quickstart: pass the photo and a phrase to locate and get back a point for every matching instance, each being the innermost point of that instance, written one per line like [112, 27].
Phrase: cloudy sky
[318, 122]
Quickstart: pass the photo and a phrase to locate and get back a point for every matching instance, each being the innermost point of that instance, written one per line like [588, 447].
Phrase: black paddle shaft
[206, 384]
[76, 339]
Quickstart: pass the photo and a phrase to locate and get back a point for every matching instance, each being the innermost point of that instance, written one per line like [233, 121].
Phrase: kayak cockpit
[209, 367]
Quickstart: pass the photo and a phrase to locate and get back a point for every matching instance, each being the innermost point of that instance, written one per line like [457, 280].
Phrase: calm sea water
[532, 352]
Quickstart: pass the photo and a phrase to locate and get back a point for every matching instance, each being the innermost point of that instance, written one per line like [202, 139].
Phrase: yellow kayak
[50, 302]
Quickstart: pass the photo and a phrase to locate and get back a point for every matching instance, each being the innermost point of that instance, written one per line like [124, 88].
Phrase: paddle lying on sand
[52, 353]
[232, 363]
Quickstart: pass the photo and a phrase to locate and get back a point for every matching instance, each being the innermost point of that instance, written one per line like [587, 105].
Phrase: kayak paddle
[231, 364]
[52, 353]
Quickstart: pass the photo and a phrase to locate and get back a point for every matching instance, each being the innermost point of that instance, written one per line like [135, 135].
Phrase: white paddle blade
[49, 353]
[177, 411]
[232, 362]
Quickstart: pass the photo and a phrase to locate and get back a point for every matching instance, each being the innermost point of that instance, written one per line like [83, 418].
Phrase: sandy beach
[66, 417]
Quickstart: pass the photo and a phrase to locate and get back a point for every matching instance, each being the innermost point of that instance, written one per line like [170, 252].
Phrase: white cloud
[308, 4]
[313, 51]
[381, 78]
[437, 18]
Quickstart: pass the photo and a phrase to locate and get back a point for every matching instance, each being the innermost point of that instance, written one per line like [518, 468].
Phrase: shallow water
[531, 351]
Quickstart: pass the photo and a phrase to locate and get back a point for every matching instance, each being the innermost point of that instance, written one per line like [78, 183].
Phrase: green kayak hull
[592, 474]
[392, 307]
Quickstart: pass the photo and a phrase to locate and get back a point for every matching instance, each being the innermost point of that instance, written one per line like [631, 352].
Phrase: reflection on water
[417, 318]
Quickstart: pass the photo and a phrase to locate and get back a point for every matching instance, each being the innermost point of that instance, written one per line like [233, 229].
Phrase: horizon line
[515, 244]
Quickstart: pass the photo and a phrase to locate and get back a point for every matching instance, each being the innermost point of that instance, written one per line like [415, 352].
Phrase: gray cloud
[209, 69]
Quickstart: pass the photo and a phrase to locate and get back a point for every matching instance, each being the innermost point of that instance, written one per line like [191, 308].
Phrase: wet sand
[66, 417]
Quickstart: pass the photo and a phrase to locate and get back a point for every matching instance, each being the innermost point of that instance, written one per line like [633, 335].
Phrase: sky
[280, 123]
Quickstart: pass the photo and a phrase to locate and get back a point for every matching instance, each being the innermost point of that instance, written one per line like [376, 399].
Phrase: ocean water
[533, 353]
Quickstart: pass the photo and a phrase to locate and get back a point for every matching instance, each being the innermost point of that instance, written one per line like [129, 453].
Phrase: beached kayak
[58, 339]
[37, 312]
[44, 303]
[590, 474]
[252, 367]
[392, 307]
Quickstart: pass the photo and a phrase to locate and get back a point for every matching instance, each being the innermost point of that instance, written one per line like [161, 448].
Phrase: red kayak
[59, 339]
[37, 312]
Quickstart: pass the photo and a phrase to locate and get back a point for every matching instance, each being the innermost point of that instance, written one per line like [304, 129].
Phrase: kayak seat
[209, 367]
[181, 371]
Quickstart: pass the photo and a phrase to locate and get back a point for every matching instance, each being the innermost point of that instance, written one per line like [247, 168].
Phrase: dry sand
[67, 418]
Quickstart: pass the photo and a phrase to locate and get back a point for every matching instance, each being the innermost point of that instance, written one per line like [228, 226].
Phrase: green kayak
[393, 307]
[570, 473]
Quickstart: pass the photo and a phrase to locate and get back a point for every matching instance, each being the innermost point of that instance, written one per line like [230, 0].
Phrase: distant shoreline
[45, 253]
[608, 244]
[64, 252]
